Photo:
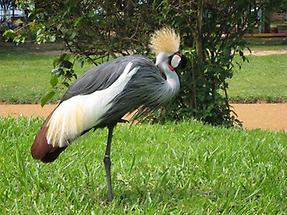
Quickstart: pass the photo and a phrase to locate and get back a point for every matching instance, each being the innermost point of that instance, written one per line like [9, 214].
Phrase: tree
[267, 8]
[6, 5]
[217, 32]
[211, 32]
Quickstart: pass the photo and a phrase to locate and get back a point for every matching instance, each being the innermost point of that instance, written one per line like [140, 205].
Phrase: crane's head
[165, 44]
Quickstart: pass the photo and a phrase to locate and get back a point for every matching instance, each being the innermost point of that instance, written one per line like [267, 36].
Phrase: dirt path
[27, 110]
[265, 52]
[264, 116]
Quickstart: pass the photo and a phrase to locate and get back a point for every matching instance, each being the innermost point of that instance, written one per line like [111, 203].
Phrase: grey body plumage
[146, 91]
[97, 78]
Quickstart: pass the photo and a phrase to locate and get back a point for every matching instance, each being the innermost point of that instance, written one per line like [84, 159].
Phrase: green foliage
[64, 71]
[11, 34]
[204, 170]
[275, 5]
[211, 34]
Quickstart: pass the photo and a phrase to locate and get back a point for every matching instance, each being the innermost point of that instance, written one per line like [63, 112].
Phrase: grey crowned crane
[104, 94]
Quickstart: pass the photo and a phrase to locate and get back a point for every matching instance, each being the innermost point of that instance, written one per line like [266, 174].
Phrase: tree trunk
[198, 34]
[198, 39]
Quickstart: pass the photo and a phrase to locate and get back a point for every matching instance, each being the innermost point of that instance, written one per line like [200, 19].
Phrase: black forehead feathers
[183, 60]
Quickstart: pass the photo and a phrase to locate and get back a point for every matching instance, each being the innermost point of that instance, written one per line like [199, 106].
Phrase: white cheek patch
[175, 61]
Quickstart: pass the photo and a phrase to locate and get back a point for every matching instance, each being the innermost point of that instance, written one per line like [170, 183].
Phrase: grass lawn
[265, 47]
[264, 78]
[24, 77]
[157, 169]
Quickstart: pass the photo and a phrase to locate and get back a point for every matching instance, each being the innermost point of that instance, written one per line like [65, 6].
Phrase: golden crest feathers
[165, 40]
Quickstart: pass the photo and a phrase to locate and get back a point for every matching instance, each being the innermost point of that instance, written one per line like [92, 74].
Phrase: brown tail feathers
[43, 151]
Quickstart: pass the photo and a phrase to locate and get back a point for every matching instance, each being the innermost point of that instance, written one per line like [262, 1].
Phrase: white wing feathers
[82, 112]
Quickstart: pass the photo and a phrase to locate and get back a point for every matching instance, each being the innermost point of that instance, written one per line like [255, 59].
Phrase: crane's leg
[107, 162]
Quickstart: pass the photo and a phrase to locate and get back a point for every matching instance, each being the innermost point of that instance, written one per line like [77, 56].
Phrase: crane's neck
[172, 79]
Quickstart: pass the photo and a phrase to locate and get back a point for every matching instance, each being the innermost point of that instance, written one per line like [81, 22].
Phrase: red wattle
[170, 67]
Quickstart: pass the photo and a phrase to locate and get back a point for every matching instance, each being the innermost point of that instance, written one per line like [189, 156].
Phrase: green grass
[185, 168]
[260, 47]
[25, 75]
[262, 79]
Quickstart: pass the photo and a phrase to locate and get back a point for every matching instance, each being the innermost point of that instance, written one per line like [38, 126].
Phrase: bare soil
[27, 110]
[265, 52]
[263, 116]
